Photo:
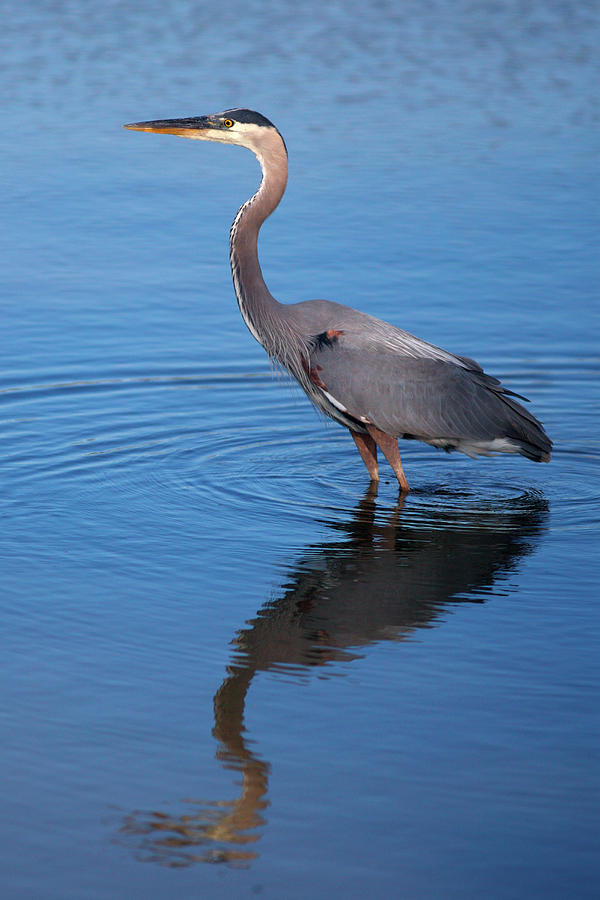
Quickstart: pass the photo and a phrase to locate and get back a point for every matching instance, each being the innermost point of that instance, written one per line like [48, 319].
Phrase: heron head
[233, 126]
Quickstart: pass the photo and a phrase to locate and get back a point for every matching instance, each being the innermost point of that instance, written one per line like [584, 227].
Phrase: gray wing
[438, 398]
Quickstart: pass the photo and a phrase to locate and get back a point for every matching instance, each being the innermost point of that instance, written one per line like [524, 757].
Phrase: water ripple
[241, 444]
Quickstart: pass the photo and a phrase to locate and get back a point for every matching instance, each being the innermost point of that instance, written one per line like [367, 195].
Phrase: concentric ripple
[243, 447]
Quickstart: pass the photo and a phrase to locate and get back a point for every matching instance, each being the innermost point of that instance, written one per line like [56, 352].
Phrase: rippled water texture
[219, 645]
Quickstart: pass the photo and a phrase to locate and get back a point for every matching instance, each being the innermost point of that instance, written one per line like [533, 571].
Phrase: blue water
[219, 646]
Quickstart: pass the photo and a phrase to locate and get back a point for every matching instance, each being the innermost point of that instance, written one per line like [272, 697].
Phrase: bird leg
[367, 448]
[389, 447]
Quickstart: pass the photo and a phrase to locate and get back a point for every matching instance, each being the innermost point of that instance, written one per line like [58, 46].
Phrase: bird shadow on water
[387, 574]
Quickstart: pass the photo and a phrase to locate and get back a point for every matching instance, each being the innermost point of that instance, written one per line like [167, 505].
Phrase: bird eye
[228, 123]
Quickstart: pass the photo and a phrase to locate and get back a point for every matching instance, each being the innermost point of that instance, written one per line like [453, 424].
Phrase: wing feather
[433, 399]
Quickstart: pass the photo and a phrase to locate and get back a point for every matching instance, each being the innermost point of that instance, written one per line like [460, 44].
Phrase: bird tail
[524, 430]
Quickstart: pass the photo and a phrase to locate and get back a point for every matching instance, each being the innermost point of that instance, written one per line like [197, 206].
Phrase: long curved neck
[264, 316]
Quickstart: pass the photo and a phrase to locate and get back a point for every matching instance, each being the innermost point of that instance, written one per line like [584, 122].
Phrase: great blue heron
[382, 383]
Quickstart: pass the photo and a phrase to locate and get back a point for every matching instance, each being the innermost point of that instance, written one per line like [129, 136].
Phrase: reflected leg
[367, 448]
[389, 448]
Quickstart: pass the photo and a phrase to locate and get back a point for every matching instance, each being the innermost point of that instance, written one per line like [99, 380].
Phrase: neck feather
[264, 316]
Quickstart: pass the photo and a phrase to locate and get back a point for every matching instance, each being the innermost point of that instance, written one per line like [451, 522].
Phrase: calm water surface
[219, 646]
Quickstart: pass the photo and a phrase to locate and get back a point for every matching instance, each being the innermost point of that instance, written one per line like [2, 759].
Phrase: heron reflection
[387, 574]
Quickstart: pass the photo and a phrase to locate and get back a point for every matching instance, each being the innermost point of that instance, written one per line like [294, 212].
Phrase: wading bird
[382, 383]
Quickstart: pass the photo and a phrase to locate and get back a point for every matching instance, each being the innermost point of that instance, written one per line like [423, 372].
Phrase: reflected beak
[198, 127]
